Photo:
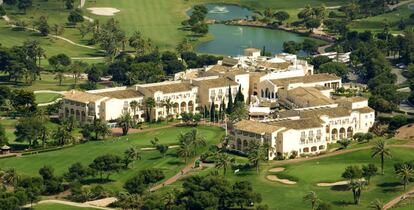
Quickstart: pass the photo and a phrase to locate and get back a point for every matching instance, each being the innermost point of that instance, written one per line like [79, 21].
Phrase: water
[232, 40]
[225, 12]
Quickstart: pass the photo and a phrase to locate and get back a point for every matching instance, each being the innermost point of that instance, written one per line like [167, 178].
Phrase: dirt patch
[118, 131]
[275, 170]
[405, 132]
[102, 202]
[103, 11]
[283, 181]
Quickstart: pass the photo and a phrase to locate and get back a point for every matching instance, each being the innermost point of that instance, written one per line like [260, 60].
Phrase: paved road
[69, 203]
[400, 78]
[391, 7]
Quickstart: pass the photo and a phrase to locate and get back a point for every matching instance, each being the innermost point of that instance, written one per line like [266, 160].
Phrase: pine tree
[212, 111]
[230, 103]
[239, 96]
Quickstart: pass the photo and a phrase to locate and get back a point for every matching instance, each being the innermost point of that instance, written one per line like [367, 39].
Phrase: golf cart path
[391, 7]
[397, 199]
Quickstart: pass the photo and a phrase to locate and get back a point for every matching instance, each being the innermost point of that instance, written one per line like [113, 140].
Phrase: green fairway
[47, 82]
[329, 169]
[377, 23]
[85, 153]
[55, 206]
[46, 97]
[9, 38]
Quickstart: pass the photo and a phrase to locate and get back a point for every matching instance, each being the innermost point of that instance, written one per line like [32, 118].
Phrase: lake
[232, 40]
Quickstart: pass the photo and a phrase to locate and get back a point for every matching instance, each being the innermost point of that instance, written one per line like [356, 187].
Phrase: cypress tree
[239, 96]
[223, 110]
[206, 113]
[212, 111]
[230, 103]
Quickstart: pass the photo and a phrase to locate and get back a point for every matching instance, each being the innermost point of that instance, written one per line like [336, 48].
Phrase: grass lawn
[56, 206]
[86, 152]
[309, 173]
[46, 97]
[47, 82]
[52, 47]
[377, 23]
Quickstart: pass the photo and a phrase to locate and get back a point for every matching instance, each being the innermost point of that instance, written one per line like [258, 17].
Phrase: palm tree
[125, 121]
[406, 173]
[381, 150]
[313, 198]
[168, 105]
[257, 154]
[196, 140]
[223, 160]
[185, 150]
[134, 105]
[130, 155]
[10, 177]
[149, 105]
[356, 186]
[376, 205]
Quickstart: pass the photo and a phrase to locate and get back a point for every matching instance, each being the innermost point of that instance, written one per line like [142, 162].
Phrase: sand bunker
[332, 184]
[326, 184]
[104, 11]
[283, 181]
[275, 170]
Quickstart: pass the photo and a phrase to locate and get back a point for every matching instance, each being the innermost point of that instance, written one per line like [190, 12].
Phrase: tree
[75, 17]
[406, 173]
[376, 205]
[239, 113]
[185, 149]
[43, 26]
[356, 187]
[281, 16]
[352, 173]
[313, 198]
[309, 46]
[244, 194]
[319, 60]
[369, 171]
[230, 102]
[57, 29]
[257, 154]
[59, 63]
[10, 2]
[140, 182]
[344, 143]
[162, 149]
[125, 121]
[141, 45]
[223, 160]
[291, 47]
[212, 112]
[63, 136]
[168, 105]
[312, 23]
[98, 128]
[69, 4]
[381, 150]
[149, 105]
[130, 155]
[184, 46]
[339, 69]
[94, 74]
[106, 164]
[29, 129]
[239, 96]
[24, 5]
[2, 11]
[23, 102]
[77, 68]
[77, 172]
[134, 106]
[195, 139]
[3, 138]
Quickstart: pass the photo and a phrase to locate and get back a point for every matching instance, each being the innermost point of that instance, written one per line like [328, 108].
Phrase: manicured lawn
[377, 23]
[52, 47]
[46, 97]
[47, 82]
[60, 160]
[309, 173]
[55, 206]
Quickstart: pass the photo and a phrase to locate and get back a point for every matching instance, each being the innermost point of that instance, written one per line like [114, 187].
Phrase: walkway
[322, 49]
[397, 199]
[391, 7]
